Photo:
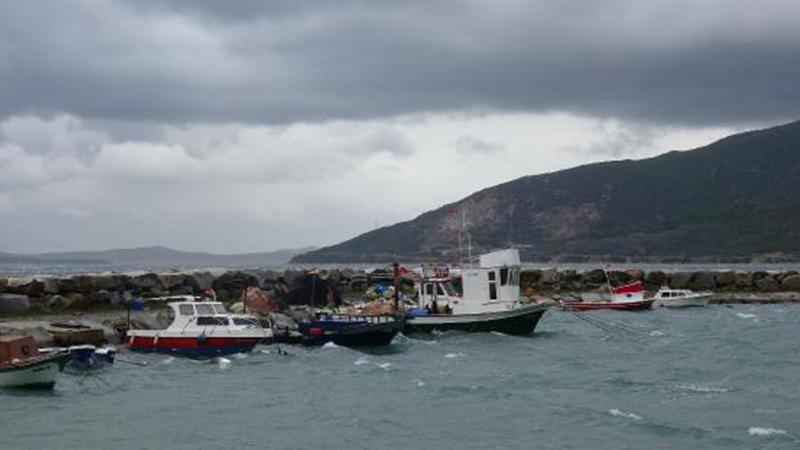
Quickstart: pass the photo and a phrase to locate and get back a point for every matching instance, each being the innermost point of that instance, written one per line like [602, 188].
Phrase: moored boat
[350, 330]
[629, 297]
[680, 298]
[201, 328]
[22, 366]
[490, 300]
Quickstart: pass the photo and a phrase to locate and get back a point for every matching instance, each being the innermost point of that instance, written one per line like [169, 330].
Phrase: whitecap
[169, 360]
[330, 344]
[384, 366]
[656, 333]
[420, 383]
[702, 388]
[759, 431]
[453, 355]
[498, 333]
[628, 415]
[224, 363]
[265, 351]
[361, 360]
[239, 355]
[746, 315]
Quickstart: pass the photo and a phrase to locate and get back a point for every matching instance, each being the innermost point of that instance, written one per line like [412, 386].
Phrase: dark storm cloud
[680, 62]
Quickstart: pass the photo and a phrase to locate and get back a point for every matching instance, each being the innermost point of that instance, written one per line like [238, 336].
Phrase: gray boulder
[14, 303]
[791, 283]
[147, 282]
[200, 280]
[744, 279]
[110, 282]
[171, 281]
[58, 301]
[549, 276]
[767, 283]
[596, 276]
[725, 279]
[655, 279]
[703, 281]
[680, 280]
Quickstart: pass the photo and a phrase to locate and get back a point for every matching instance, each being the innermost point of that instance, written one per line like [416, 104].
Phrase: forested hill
[735, 199]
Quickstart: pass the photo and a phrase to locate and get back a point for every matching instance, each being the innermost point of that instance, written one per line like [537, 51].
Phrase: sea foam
[628, 415]
[759, 431]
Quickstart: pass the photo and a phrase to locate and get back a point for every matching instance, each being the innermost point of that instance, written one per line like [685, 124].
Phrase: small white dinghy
[680, 298]
[22, 366]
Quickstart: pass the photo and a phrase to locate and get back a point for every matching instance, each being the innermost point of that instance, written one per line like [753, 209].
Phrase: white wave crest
[746, 315]
[361, 360]
[759, 431]
[656, 333]
[454, 355]
[628, 415]
[384, 366]
[224, 363]
[330, 344]
[702, 388]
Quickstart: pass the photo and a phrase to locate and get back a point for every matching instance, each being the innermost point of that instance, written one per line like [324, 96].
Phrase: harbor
[716, 377]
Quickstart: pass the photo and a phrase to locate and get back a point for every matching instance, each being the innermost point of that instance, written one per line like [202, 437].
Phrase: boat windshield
[205, 309]
[219, 309]
[449, 289]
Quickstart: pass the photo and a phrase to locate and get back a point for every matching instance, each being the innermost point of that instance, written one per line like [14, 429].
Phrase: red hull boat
[629, 297]
[619, 306]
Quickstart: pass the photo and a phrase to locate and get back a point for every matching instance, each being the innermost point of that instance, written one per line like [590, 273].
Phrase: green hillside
[736, 199]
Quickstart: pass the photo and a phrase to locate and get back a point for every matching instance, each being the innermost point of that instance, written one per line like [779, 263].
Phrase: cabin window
[493, 291]
[211, 320]
[243, 321]
[186, 310]
[428, 289]
[491, 276]
[205, 309]
[439, 290]
[219, 309]
[504, 276]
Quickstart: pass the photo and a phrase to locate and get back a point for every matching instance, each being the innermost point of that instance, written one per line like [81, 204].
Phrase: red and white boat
[629, 297]
[201, 328]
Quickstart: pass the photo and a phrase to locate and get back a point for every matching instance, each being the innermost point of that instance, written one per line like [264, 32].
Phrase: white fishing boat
[22, 366]
[680, 298]
[201, 328]
[490, 300]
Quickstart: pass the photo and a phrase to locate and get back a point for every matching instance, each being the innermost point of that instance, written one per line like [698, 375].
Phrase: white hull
[682, 302]
[42, 375]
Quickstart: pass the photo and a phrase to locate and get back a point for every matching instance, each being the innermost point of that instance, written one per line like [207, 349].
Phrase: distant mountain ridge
[155, 256]
[735, 199]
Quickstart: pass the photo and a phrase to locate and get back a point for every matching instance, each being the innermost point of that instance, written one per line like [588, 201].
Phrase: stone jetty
[33, 304]
[50, 294]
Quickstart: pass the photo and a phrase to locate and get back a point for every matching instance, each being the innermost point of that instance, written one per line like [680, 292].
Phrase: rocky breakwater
[727, 286]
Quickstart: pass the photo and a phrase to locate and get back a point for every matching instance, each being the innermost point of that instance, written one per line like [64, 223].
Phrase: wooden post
[396, 280]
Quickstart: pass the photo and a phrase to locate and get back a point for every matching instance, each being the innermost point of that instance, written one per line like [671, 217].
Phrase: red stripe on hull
[589, 306]
[164, 343]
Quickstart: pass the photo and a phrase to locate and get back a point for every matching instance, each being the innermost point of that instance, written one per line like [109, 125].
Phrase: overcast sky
[243, 126]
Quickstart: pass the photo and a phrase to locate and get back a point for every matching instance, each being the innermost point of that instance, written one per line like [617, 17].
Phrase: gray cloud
[681, 62]
[471, 145]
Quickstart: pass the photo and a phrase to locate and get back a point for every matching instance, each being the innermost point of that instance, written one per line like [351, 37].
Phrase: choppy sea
[711, 378]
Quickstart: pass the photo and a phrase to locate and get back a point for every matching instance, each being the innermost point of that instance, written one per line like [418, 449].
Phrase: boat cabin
[494, 285]
[185, 315]
[665, 293]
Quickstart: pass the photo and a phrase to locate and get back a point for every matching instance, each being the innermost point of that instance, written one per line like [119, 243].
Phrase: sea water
[712, 378]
